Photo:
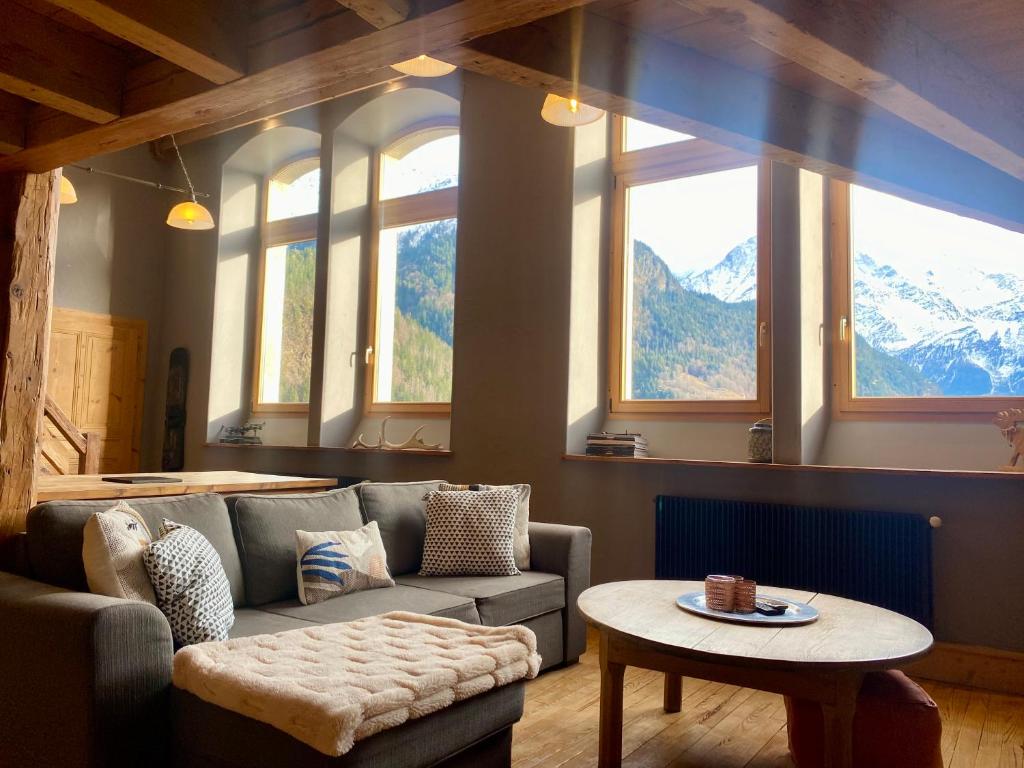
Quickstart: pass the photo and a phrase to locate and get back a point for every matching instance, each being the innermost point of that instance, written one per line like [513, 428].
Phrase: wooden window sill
[947, 473]
[332, 449]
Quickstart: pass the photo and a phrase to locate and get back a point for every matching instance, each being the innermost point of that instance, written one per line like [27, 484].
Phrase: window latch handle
[368, 355]
[843, 323]
[762, 333]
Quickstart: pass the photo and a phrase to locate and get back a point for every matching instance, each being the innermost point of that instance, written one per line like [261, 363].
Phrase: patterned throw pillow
[112, 547]
[470, 533]
[521, 543]
[332, 563]
[191, 587]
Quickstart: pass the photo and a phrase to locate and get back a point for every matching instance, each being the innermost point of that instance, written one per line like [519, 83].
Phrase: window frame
[419, 208]
[296, 229]
[846, 405]
[665, 162]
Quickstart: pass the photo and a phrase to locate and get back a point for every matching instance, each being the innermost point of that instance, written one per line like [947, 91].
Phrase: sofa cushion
[500, 599]
[400, 511]
[113, 543]
[191, 588]
[470, 534]
[254, 621]
[265, 531]
[55, 535]
[336, 563]
[358, 605]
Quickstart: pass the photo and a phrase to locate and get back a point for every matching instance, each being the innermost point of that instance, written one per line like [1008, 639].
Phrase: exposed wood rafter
[306, 74]
[342, 87]
[13, 121]
[54, 65]
[206, 37]
[379, 13]
[628, 72]
[869, 48]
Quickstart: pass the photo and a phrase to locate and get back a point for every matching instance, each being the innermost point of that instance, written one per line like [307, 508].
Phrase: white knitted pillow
[470, 533]
[191, 587]
[112, 545]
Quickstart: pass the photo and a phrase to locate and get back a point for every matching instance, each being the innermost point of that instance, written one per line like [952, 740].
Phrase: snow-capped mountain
[732, 279]
[960, 327]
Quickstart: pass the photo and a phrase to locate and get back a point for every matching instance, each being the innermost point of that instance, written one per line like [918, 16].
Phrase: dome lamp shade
[190, 215]
[568, 113]
[424, 66]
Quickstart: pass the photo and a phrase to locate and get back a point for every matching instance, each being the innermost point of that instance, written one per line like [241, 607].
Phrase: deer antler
[415, 442]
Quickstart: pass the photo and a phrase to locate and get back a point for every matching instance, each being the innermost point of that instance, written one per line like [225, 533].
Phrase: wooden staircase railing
[85, 444]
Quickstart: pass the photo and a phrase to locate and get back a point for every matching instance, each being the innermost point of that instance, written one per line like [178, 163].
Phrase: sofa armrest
[565, 550]
[84, 679]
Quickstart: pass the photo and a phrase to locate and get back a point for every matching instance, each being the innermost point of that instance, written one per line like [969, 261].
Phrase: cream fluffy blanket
[332, 685]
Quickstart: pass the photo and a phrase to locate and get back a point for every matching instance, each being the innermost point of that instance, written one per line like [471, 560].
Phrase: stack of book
[616, 444]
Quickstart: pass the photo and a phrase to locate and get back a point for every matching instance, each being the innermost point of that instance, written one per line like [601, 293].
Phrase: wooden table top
[847, 634]
[52, 487]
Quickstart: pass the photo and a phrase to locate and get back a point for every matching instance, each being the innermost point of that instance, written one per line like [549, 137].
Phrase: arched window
[413, 298]
[284, 340]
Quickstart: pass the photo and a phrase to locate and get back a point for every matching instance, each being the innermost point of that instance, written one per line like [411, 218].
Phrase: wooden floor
[722, 725]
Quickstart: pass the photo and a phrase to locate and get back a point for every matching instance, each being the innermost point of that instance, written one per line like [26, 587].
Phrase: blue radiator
[881, 558]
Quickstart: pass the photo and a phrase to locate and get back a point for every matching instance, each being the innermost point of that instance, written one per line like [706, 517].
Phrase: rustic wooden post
[28, 238]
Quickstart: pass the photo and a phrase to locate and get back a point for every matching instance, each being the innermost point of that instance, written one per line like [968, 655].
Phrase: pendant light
[568, 113]
[67, 191]
[189, 214]
[424, 66]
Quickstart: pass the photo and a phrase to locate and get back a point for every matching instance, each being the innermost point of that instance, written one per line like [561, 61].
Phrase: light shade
[568, 113]
[424, 66]
[67, 191]
[190, 215]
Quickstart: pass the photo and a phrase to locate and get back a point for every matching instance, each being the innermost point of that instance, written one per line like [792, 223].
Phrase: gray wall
[509, 410]
[111, 253]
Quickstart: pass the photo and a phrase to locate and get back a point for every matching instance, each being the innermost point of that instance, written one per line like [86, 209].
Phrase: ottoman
[897, 725]
[474, 732]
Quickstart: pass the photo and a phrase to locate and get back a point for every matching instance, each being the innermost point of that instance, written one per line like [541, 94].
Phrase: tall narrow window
[413, 301]
[690, 276]
[287, 276]
[929, 307]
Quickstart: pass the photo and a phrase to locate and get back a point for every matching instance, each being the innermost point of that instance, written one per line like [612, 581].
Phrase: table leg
[838, 720]
[673, 692]
[610, 739]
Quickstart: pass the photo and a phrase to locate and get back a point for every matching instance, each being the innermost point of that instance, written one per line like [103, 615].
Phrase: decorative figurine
[243, 435]
[1008, 422]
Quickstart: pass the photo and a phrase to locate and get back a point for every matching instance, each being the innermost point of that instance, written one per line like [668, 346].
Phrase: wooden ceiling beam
[206, 37]
[14, 113]
[307, 74]
[628, 72]
[46, 62]
[379, 13]
[869, 48]
[383, 76]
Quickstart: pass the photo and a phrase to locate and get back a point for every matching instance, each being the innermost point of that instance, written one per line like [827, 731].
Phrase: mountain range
[952, 330]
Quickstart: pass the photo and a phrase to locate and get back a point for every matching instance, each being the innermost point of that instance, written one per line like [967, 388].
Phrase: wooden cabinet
[96, 375]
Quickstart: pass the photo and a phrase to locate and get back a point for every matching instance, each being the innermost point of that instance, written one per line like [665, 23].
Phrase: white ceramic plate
[797, 613]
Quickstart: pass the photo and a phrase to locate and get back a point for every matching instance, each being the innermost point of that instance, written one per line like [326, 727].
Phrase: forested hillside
[297, 323]
[686, 344]
[425, 313]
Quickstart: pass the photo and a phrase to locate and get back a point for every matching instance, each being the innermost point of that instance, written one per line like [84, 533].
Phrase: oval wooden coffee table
[641, 626]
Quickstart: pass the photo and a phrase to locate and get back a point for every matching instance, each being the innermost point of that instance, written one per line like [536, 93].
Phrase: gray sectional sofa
[85, 679]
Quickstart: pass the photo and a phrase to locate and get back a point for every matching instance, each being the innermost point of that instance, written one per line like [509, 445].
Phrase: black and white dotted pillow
[470, 533]
[191, 587]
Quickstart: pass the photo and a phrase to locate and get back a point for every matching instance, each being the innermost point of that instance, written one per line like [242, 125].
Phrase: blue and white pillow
[332, 563]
